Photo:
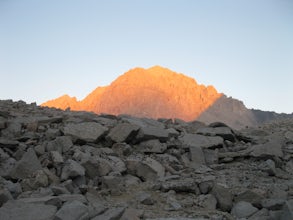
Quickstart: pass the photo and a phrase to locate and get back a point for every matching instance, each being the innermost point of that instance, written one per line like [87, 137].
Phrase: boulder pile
[65, 165]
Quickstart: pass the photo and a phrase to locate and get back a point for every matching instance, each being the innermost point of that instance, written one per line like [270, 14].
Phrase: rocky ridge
[63, 165]
[158, 92]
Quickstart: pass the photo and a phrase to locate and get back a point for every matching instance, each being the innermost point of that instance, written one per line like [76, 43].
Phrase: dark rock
[197, 157]
[61, 144]
[145, 198]
[272, 204]
[147, 168]
[269, 167]
[86, 131]
[243, 210]
[5, 195]
[16, 210]
[74, 210]
[197, 140]
[287, 213]
[123, 133]
[132, 214]
[152, 132]
[224, 132]
[97, 167]
[56, 157]
[72, 169]
[223, 196]
[208, 201]
[268, 150]
[6, 166]
[152, 146]
[250, 196]
[28, 164]
[111, 214]
[182, 185]
[10, 144]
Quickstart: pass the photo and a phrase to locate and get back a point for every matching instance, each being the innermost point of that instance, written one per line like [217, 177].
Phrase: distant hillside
[158, 92]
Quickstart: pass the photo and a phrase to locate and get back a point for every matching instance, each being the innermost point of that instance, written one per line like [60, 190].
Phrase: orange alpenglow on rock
[156, 92]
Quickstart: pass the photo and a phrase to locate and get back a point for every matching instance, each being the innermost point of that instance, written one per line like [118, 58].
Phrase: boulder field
[64, 165]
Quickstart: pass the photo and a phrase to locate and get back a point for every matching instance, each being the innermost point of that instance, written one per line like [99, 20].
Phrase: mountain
[158, 92]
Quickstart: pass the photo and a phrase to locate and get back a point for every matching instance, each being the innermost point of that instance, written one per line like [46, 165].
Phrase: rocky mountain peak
[155, 92]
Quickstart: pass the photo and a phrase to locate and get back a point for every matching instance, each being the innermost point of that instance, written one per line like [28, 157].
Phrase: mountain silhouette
[158, 92]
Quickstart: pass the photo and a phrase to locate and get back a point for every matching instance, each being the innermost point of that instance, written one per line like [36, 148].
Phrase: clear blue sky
[242, 47]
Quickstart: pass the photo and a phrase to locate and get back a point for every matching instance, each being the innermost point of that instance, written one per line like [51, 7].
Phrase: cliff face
[155, 92]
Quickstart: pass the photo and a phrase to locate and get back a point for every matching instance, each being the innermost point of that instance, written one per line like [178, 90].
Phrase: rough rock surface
[77, 165]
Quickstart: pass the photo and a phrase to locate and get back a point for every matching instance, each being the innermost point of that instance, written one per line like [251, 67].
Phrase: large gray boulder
[72, 169]
[223, 196]
[96, 166]
[152, 132]
[243, 210]
[111, 214]
[224, 132]
[180, 185]
[85, 131]
[152, 146]
[197, 140]
[145, 168]
[74, 210]
[61, 144]
[123, 132]
[15, 210]
[272, 148]
[27, 165]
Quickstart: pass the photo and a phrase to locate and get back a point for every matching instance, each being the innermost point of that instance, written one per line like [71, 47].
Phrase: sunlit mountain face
[156, 92]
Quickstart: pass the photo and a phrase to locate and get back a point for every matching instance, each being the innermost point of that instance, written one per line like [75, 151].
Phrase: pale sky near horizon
[243, 48]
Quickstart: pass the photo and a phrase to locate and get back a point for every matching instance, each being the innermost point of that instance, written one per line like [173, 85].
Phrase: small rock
[181, 185]
[243, 210]
[152, 132]
[132, 214]
[287, 211]
[147, 169]
[72, 169]
[152, 146]
[272, 204]
[111, 214]
[74, 210]
[5, 195]
[223, 196]
[28, 164]
[208, 202]
[197, 140]
[97, 167]
[269, 167]
[250, 196]
[56, 157]
[145, 198]
[61, 144]
[224, 132]
[123, 133]
[16, 210]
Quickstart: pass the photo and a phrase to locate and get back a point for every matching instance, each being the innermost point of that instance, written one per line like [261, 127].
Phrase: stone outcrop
[63, 165]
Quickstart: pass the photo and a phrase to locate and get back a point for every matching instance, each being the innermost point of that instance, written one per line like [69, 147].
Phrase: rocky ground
[64, 165]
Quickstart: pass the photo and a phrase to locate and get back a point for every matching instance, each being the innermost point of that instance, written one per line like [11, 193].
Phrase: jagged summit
[155, 92]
